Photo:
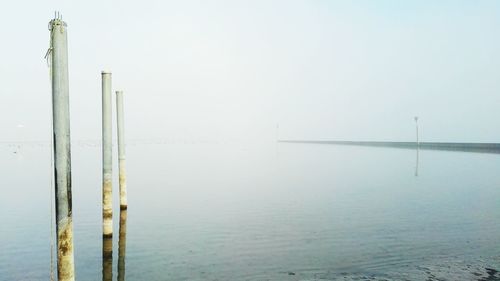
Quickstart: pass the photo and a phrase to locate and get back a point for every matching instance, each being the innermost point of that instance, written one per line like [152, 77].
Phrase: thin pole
[277, 132]
[122, 245]
[62, 149]
[107, 197]
[121, 150]
[418, 146]
[416, 126]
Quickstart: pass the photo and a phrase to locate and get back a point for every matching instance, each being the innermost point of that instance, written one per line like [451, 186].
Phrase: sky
[234, 70]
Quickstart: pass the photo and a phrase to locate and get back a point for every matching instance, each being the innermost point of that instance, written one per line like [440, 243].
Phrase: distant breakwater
[450, 146]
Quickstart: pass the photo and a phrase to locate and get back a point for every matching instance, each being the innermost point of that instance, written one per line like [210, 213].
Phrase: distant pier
[450, 146]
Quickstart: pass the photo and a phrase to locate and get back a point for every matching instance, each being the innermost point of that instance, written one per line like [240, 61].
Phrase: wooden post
[62, 148]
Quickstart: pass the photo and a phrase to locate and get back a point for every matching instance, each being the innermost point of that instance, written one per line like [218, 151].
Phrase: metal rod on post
[121, 150]
[107, 190]
[62, 149]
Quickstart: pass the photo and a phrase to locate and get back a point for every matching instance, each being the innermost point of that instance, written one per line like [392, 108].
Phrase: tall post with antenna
[107, 195]
[62, 148]
[121, 150]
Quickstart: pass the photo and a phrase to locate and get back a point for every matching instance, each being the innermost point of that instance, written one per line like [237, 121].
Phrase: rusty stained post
[121, 150]
[62, 148]
[107, 190]
[122, 245]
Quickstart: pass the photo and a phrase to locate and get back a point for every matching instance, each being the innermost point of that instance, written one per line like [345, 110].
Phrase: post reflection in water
[416, 163]
[122, 245]
[107, 258]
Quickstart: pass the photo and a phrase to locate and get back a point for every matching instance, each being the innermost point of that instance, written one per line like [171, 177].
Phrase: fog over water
[292, 212]
[209, 89]
[232, 70]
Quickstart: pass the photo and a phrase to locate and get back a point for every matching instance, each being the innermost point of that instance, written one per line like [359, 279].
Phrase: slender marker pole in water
[107, 191]
[121, 150]
[62, 149]
[416, 126]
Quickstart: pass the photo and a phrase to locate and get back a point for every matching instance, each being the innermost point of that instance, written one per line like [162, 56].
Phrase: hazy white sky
[217, 70]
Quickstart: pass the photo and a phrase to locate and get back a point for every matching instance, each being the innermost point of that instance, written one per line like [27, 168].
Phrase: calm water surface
[262, 212]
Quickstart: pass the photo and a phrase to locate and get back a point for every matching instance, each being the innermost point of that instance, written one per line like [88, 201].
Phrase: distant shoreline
[449, 146]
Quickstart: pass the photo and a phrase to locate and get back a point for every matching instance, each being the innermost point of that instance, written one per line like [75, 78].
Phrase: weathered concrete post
[62, 149]
[122, 245]
[107, 191]
[121, 150]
